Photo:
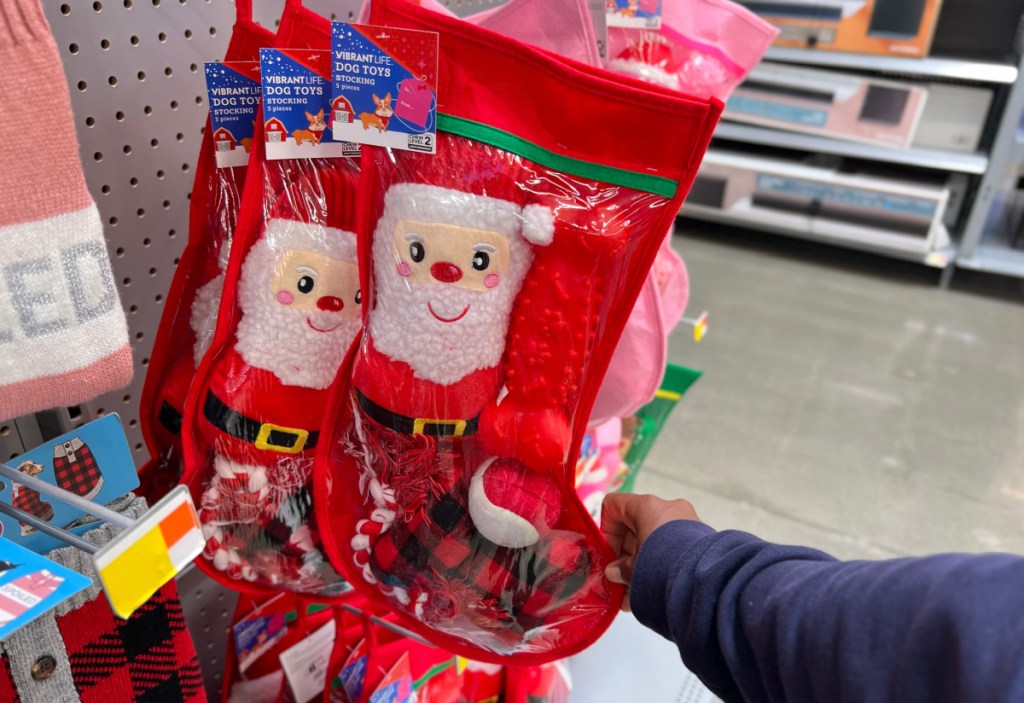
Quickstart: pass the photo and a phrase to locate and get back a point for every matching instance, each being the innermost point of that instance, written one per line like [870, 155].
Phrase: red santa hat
[462, 185]
[431, 203]
[336, 243]
[324, 196]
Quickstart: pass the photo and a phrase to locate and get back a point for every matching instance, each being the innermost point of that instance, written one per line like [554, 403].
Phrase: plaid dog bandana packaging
[93, 461]
[497, 277]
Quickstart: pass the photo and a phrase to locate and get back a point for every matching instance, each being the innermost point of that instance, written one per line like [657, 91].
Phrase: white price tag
[305, 664]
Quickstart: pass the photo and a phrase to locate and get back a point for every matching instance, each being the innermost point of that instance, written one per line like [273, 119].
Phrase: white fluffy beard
[402, 327]
[278, 339]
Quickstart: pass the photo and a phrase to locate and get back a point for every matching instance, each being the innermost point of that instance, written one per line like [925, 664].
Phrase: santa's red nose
[446, 272]
[330, 302]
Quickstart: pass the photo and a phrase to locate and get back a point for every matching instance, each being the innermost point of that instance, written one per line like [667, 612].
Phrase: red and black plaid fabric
[8, 691]
[32, 503]
[439, 552]
[148, 658]
[75, 469]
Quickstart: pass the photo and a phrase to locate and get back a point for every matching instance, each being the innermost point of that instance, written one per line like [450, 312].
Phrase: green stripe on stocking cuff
[658, 185]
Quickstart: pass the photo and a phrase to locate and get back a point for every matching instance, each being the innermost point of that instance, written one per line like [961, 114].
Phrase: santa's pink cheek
[404, 269]
[491, 280]
[285, 298]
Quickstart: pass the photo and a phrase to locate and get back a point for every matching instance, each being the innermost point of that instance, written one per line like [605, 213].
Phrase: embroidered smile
[318, 329]
[446, 319]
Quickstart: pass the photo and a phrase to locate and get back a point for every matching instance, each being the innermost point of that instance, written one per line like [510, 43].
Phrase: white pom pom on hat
[538, 224]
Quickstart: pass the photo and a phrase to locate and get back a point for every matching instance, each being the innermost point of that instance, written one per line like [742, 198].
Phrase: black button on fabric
[44, 667]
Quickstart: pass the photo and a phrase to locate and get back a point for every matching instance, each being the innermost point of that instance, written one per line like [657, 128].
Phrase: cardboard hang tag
[297, 118]
[233, 90]
[634, 14]
[305, 664]
[31, 585]
[384, 86]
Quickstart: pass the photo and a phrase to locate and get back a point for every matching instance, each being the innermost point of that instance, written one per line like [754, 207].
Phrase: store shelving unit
[986, 244]
[951, 161]
[952, 69]
[981, 245]
[884, 243]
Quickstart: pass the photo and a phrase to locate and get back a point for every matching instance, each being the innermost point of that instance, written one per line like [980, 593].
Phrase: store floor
[848, 404]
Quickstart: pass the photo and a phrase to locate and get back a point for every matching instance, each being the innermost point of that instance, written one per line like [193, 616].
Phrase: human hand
[627, 521]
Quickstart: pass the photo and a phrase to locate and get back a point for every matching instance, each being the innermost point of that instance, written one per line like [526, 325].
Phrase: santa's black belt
[170, 418]
[264, 435]
[434, 427]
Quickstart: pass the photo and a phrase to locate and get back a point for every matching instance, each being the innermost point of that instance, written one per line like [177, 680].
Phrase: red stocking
[190, 312]
[502, 271]
[291, 309]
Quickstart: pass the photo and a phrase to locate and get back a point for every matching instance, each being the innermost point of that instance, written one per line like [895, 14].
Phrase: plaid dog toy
[500, 273]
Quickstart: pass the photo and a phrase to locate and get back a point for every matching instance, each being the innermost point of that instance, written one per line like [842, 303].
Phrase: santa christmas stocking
[63, 338]
[499, 274]
[290, 310]
[190, 313]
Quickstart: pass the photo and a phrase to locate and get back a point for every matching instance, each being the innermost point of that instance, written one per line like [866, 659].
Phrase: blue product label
[741, 104]
[638, 14]
[31, 585]
[255, 636]
[233, 88]
[297, 120]
[93, 461]
[384, 86]
[859, 198]
[353, 676]
[589, 446]
[394, 692]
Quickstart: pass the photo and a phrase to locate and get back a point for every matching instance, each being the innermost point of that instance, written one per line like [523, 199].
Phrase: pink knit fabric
[63, 337]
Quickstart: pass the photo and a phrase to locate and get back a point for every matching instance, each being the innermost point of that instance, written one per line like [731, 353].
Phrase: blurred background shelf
[947, 68]
[994, 259]
[975, 164]
[881, 242]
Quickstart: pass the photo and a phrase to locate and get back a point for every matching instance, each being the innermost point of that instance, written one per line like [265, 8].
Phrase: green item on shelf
[650, 419]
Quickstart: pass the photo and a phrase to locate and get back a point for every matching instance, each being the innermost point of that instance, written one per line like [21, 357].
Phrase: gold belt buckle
[420, 423]
[263, 438]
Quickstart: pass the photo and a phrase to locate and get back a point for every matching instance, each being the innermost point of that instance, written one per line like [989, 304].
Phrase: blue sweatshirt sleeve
[762, 622]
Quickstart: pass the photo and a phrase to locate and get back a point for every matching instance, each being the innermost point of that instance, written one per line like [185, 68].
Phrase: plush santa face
[448, 266]
[300, 299]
